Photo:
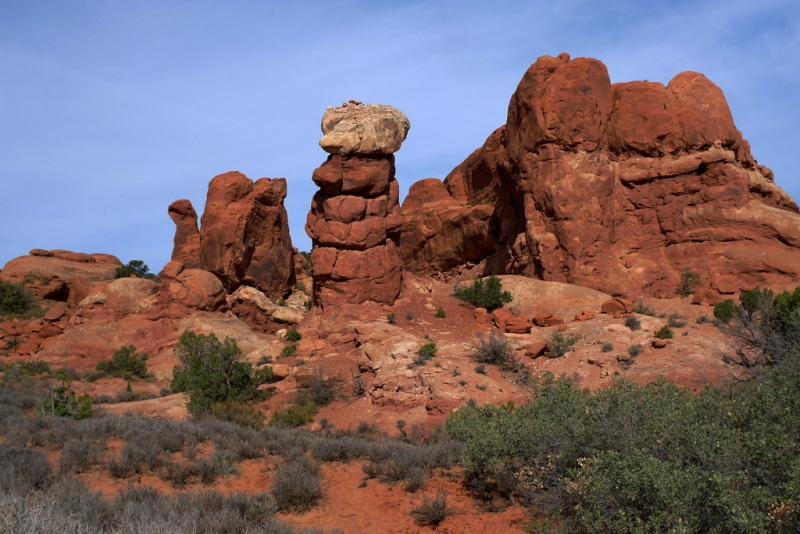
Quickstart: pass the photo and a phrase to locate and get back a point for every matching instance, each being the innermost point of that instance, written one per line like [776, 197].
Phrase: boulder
[355, 128]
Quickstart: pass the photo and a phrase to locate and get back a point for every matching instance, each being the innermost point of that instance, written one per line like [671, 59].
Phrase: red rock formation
[187, 236]
[244, 238]
[616, 187]
[355, 219]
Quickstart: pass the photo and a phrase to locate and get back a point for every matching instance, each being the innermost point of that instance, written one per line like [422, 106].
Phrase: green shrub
[643, 309]
[134, 267]
[15, 299]
[125, 363]
[754, 299]
[211, 372]
[245, 415]
[664, 333]
[289, 350]
[322, 389]
[725, 311]
[293, 335]
[558, 345]
[485, 293]
[428, 350]
[296, 485]
[440, 313]
[392, 318]
[64, 403]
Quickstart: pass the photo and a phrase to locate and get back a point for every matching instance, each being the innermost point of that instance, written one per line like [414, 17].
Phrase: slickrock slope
[618, 187]
[355, 218]
[244, 238]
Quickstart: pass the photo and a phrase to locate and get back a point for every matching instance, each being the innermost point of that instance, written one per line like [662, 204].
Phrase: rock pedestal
[355, 218]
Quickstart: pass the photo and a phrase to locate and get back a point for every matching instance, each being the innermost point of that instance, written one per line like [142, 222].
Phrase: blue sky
[110, 110]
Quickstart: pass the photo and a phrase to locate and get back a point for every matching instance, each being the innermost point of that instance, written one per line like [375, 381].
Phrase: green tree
[212, 372]
[137, 267]
[64, 403]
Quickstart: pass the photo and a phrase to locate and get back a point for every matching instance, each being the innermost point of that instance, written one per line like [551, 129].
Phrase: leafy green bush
[293, 335]
[654, 458]
[485, 293]
[295, 415]
[211, 372]
[725, 311]
[134, 267]
[288, 350]
[665, 332]
[428, 350]
[440, 313]
[245, 415]
[15, 299]
[391, 318]
[125, 363]
[755, 299]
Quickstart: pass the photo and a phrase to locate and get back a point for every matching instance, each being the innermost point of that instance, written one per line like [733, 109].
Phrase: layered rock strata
[355, 219]
[244, 237]
[619, 187]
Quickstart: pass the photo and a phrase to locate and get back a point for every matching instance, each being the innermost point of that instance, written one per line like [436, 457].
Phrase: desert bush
[322, 389]
[633, 322]
[440, 313]
[294, 415]
[634, 350]
[357, 386]
[125, 363]
[725, 311]
[63, 401]
[293, 335]
[391, 318]
[134, 267]
[485, 293]
[78, 455]
[643, 309]
[494, 349]
[425, 353]
[607, 347]
[211, 372]
[665, 332]
[239, 413]
[558, 345]
[432, 511]
[480, 369]
[22, 469]
[15, 299]
[296, 485]
[676, 320]
[288, 350]
[689, 283]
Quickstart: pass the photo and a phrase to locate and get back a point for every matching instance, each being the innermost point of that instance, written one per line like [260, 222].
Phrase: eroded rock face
[244, 237]
[187, 237]
[355, 219]
[616, 187]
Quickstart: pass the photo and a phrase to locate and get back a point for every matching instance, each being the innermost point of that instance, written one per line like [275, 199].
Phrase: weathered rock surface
[187, 237]
[370, 129]
[616, 187]
[355, 219]
[244, 238]
[52, 274]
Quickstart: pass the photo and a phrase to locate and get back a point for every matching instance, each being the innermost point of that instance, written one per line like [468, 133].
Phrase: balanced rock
[355, 219]
[371, 129]
[616, 187]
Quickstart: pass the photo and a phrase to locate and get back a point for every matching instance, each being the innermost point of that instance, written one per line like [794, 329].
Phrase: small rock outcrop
[244, 237]
[355, 218]
[618, 187]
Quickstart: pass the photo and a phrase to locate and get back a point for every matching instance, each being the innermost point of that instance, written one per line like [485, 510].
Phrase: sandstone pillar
[355, 218]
